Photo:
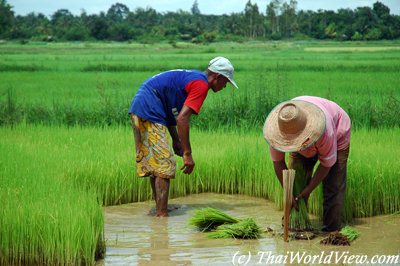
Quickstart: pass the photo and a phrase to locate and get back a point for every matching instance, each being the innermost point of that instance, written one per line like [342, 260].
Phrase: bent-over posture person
[164, 103]
[312, 129]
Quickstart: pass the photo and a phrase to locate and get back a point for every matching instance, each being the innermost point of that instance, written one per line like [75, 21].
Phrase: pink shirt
[336, 136]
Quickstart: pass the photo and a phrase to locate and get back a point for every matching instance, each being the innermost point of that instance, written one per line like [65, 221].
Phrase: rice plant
[43, 219]
[47, 80]
[299, 219]
[67, 148]
[244, 229]
[207, 219]
[350, 232]
[59, 175]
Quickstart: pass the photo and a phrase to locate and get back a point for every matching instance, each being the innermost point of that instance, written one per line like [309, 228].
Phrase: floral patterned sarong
[154, 155]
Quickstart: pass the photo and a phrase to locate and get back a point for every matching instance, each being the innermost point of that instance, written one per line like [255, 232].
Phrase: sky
[216, 7]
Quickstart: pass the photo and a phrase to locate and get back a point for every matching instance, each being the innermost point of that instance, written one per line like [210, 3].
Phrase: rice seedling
[299, 219]
[44, 220]
[103, 160]
[223, 225]
[207, 219]
[342, 238]
[244, 229]
[67, 77]
[61, 174]
[350, 232]
[97, 166]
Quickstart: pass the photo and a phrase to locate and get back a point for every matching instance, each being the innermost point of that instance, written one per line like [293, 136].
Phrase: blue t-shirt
[161, 97]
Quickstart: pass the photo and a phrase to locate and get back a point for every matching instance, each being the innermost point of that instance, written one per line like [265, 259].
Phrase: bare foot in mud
[171, 207]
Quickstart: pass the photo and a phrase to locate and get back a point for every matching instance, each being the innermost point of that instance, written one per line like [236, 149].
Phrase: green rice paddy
[67, 148]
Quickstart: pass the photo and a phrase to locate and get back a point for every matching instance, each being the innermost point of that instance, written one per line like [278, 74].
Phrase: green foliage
[58, 84]
[208, 219]
[10, 115]
[330, 31]
[350, 232]
[244, 229]
[299, 219]
[210, 36]
[54, 180]
[373, 35]
[110, 171]
[357, 36]
[6, 18]
[223, 225]
[195, 8]
[281, 20]
[43, 219]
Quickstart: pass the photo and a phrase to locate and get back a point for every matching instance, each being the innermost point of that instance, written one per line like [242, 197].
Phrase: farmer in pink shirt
[312, 129]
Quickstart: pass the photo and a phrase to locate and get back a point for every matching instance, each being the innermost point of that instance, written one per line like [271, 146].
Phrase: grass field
[67, 149]
[93, 84]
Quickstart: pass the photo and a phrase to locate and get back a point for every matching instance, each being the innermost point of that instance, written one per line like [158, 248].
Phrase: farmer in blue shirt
[165, 102]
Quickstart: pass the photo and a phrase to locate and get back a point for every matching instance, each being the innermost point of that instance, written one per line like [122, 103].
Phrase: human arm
[183, 124]
[279, 166]
[176, 142]
[317, 178]
[327, 156]
[278, 159]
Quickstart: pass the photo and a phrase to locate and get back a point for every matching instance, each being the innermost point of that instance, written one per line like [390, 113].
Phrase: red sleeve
[197, 92]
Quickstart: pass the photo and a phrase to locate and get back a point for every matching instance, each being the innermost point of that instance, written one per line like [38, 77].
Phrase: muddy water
[135, 237]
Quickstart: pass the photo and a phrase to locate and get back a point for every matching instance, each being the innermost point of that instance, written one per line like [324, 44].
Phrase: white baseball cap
[222, 66]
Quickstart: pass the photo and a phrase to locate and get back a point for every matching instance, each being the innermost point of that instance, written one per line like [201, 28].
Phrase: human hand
[188, 163]
[295, 204]
[305, 194]
[177, 146]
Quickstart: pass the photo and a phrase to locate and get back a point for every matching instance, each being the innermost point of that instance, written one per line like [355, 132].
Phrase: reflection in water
[158, 250]
[136, 238]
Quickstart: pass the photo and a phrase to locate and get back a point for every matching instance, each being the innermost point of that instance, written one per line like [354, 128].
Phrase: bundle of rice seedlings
[350, 233]
[299, 219]
[207, 219]
[244, 229]
[341, 238]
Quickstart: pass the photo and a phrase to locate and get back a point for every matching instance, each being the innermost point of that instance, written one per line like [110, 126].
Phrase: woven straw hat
[293, 126]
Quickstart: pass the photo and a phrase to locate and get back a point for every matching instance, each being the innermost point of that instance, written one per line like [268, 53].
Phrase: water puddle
[135, 237]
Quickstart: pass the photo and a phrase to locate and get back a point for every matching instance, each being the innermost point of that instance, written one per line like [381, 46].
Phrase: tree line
[280, 20]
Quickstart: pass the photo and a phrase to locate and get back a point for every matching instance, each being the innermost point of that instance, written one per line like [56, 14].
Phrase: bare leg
[153, 187]
[162, 191]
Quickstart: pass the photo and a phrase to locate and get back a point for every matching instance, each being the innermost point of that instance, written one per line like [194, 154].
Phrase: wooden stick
[288, 179]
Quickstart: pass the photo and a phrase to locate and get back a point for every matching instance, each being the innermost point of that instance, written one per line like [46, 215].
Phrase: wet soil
[134, 236]
[336, 239]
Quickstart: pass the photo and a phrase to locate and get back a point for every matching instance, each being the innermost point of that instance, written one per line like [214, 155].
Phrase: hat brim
[233, 83]
[229, 79]
[313, 130]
